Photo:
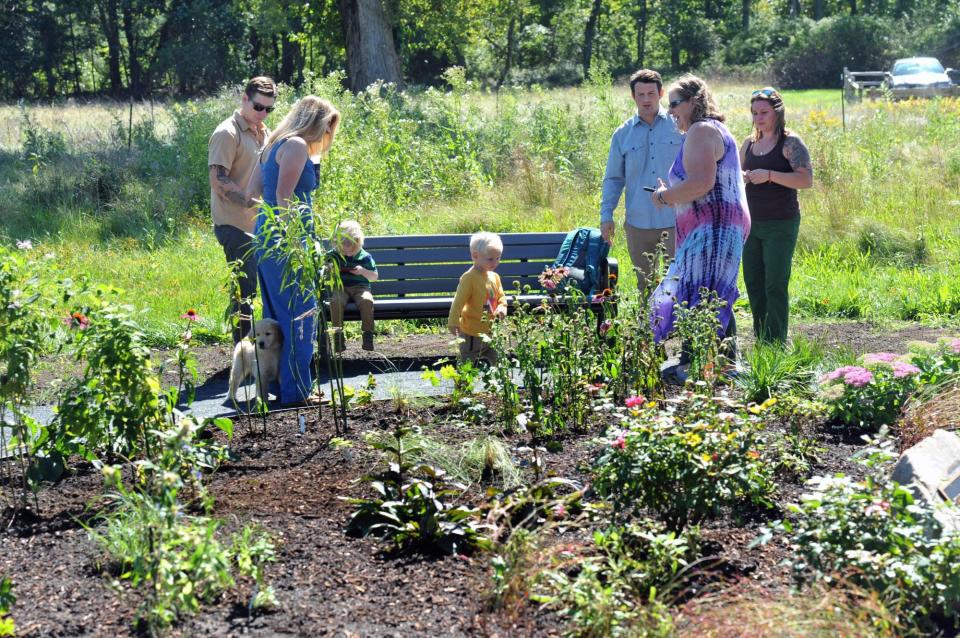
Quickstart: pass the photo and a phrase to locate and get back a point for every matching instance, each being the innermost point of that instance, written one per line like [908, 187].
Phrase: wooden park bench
[419, 273]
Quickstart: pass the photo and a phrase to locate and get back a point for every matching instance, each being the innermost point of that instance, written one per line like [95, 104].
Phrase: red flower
[77, 320]
[635, 401]
[190, 315]
[620, 442]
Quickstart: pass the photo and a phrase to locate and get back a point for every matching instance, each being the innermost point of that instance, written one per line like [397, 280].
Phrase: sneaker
[367, 340]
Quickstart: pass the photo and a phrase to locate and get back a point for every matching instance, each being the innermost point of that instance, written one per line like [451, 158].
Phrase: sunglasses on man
[261, 107]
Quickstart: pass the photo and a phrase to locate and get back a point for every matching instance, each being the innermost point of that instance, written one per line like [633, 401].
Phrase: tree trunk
[508, 63]
[745, 16]
[853, 7]
[107, 11]
[675, 53]
[133, 51]
[795, 7]
[642, 34]
[588, 35]
[818, 9]
[371, 54]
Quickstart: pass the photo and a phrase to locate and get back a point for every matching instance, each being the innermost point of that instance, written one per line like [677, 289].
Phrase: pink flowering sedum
[955, 346]
[858, 377]
[880, 357]
[902, 369]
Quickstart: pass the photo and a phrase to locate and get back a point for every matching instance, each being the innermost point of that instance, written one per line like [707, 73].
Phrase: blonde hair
[482, 243]
[351, 230]
[314, 120]
[694, 90]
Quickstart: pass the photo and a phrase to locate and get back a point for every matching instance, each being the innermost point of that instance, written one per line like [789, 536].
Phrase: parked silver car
[919, 77]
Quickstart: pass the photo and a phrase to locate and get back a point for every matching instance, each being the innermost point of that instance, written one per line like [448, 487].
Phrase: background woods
[189, 47]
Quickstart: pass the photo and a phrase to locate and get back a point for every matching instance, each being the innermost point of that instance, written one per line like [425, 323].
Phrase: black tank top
[770, 201]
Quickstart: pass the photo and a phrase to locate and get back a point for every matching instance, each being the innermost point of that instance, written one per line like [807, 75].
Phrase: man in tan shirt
[232, 154]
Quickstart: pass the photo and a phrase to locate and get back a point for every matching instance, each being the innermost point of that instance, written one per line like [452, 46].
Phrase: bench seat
[419, 273]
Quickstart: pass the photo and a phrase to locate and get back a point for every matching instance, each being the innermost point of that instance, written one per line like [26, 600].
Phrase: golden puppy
[262, 363]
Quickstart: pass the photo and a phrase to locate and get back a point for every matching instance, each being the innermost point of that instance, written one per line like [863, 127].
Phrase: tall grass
[880, 237]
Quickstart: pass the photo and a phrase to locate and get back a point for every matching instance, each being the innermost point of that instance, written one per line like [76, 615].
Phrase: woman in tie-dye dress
[706, 189]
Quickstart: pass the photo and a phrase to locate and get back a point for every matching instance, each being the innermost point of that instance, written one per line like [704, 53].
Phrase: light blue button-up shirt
[639, 154]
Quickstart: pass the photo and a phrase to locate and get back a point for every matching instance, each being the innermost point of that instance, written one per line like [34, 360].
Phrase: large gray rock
[928, 466]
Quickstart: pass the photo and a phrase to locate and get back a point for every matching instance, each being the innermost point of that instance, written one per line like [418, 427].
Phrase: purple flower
[880, 357]
[901, 369]
[857, 377]
[605, 327]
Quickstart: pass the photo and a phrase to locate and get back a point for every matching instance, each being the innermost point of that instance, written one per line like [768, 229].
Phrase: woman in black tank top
[776, 164]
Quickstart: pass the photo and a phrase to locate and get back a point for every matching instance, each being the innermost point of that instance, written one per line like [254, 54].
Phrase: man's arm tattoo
[795, 151]
[231, 190]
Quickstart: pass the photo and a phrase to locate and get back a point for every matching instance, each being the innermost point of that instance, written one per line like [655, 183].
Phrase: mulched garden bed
[328, 583]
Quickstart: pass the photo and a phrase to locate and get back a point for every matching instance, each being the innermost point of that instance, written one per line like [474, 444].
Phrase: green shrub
[775, 369]
[874, 534]
[872, 394]
[7, 598]
[686, 462]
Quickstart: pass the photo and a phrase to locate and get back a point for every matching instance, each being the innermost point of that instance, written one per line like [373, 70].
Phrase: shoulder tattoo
[795, 151]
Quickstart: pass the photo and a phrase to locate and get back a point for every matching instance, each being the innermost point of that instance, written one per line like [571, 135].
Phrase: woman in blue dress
[286, 175]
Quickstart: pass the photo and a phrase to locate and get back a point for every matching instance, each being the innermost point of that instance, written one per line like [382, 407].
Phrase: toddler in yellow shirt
[479, 299]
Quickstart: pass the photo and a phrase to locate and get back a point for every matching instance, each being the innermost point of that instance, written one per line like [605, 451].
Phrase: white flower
[25, 244]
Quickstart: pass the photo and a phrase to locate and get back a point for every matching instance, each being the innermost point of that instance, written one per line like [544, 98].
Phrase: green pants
[767, 258]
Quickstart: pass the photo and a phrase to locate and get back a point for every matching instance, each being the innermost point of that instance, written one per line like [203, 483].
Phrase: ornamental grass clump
[872, 394]
[686, 462]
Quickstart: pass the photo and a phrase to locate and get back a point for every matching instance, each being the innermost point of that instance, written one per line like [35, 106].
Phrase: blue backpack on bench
[582, 251]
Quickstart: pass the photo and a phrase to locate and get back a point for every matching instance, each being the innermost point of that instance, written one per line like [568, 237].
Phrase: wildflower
[549, 284]
[955, 346]
[714, 457]
[77, 320]
[190, 315]
[902, 369]
[635, 401]
[605, 326]
[171, 479]
[825, 301]
[25, 244]
[613, 276]
[753, 454]
[620, 443]
[880, 357]
[559, 511]
[111, 474]
[877, 508]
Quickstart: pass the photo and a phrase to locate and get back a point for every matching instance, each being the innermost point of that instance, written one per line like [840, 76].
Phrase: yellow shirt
[477, 292]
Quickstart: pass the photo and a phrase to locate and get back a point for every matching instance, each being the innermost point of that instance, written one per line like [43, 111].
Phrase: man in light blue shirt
[641, 151]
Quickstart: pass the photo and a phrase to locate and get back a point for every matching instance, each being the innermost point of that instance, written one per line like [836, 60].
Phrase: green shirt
[362, 258]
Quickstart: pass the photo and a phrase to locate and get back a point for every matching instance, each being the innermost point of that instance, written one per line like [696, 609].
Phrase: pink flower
[901, 369]
[858, 377]
[635, 401]
[880, 357]
[838, 373]
[190, 315]
[955, 346]
[605, 326]
[559, 511]
[549, 284]
[620, 442]
[877, 508]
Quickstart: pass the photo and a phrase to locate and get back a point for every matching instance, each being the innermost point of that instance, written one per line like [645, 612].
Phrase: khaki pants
[473, 348]
[641, 241]
[361, 296]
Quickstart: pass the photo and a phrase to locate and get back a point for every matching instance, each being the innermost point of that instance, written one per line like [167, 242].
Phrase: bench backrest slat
[443, 271]
[454, 241]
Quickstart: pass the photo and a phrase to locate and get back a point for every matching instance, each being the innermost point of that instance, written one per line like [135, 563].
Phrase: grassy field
[880, 237]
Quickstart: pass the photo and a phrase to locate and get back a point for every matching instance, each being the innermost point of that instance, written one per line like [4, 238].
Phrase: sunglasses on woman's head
[765, 92]
[675, 103]
[261, 107]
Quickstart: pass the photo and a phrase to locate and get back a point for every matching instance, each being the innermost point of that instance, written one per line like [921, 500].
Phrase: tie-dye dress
[711, 232]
